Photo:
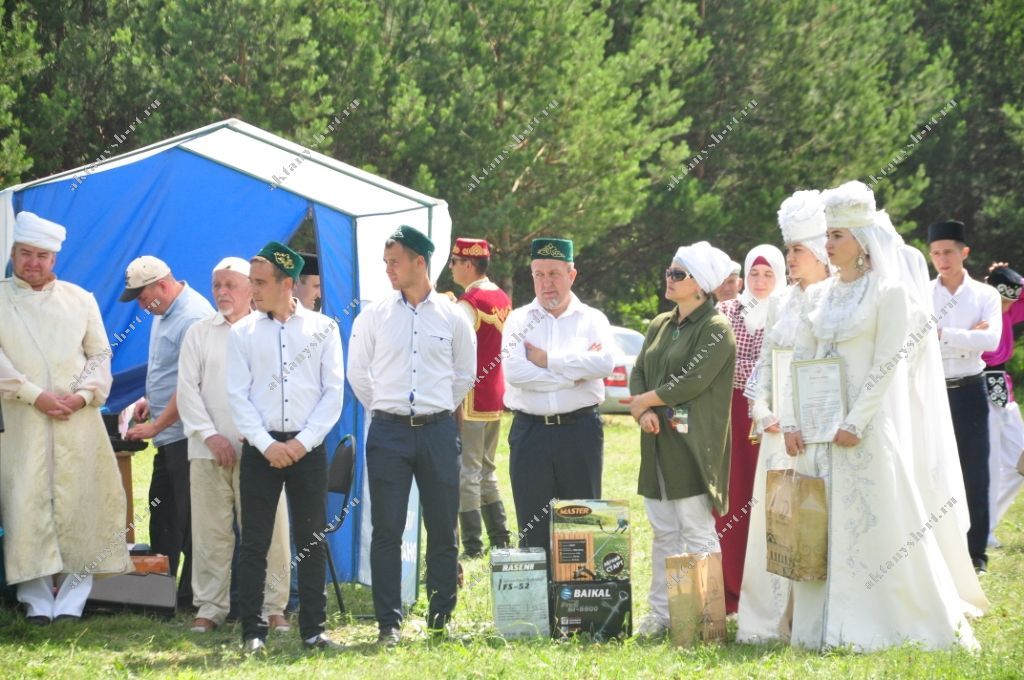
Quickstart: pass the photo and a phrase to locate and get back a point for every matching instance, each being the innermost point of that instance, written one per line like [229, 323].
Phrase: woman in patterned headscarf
[765, 278]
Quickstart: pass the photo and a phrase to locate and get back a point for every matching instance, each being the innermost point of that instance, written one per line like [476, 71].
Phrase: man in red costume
[486, 305]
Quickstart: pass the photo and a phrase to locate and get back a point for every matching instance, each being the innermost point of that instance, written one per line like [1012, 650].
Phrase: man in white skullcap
[61, 498]
[214, 446]
[733, 284]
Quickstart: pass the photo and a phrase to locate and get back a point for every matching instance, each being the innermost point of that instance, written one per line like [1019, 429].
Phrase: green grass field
[135, 646]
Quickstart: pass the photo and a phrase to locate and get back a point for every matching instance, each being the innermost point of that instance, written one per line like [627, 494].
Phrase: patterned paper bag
[696, 598]
[797, 524]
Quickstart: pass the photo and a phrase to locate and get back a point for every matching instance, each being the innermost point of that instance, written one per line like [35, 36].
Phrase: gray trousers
[478, 481]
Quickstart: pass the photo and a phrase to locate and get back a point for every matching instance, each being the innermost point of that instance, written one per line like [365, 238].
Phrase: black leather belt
[953, 383]
[560, 418]
[411, 421]
[278, 436]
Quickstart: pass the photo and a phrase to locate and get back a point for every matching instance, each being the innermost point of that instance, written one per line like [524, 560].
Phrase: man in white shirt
[285, 386]
[969, 322]
[557, 352]
[307, 288]
[412, 359]
[214, 446]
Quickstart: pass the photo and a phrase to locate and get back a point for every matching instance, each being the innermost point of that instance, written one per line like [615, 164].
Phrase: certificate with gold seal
[819, 396]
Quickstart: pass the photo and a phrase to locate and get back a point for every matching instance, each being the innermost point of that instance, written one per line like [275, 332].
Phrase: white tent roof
[377, 205]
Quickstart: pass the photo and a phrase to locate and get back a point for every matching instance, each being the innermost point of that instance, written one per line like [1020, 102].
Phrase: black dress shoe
[321, 642]
[39, 620]
[389, 637]
[980, 565]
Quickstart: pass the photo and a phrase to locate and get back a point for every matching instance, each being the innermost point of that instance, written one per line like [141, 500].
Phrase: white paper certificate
[819, 396]
[782, 365]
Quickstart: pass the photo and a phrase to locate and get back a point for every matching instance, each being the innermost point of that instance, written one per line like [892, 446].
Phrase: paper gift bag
[696, 598]
[796, 518]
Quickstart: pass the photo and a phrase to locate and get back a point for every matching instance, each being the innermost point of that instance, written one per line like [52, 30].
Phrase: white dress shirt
[285, 377]
[957, 313]
[412, 360]
[574, 378]
[202, 386]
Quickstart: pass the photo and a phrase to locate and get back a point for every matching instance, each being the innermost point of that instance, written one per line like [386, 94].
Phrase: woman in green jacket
[682, 397]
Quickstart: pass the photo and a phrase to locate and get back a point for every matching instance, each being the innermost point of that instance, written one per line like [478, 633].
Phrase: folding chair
[339, 480]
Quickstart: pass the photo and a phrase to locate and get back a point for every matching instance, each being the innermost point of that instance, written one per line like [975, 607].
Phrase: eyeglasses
[677, 274]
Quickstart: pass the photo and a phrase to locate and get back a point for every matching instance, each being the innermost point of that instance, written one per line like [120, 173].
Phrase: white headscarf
[755, 312]
[802, 220]
[33, 230]
[709, 266]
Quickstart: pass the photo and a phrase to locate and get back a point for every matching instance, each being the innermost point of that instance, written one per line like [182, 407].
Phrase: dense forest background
[632, 127]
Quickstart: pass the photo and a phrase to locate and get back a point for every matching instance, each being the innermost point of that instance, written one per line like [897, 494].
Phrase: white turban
[33, 230]
[709, 266]
[233, 264]
[802, 220]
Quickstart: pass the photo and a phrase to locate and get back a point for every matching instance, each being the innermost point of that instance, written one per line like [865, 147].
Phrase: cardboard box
[590, 540]
[519, 592]
[602, 609]
[696, 598]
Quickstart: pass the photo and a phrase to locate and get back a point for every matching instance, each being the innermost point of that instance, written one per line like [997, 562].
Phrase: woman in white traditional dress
[888, 582]
[764, 597]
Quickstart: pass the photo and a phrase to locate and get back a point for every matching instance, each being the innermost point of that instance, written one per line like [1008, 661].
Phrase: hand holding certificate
[820, 398]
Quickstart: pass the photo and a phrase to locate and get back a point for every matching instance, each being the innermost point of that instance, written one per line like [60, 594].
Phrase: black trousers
[969, 406]
[170, 517]
[305, 484]
[549, 462]
[396, 453]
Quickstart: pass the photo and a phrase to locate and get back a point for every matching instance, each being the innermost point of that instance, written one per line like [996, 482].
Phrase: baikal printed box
[601, 609]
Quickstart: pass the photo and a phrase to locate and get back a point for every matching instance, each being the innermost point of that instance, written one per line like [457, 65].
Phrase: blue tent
[226, 189]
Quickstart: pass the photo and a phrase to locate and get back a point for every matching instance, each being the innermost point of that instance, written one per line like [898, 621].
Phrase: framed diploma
[819, 396]
[782, 364]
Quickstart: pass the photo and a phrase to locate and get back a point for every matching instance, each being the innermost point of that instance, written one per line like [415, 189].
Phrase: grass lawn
[135, 646]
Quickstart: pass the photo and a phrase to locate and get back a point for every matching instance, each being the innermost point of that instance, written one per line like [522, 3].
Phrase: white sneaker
[652, 626]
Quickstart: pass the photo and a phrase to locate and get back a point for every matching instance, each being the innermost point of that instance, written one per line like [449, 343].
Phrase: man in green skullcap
[412, 359]
[557, 352]
[285, 386]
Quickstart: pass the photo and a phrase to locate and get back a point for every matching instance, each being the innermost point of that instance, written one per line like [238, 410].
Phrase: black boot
[494, 518]
[469, 525]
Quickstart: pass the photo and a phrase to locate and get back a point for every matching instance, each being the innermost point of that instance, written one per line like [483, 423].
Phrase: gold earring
[861, 267]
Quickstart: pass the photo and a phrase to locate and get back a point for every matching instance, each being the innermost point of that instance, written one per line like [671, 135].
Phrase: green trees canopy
[632, 126]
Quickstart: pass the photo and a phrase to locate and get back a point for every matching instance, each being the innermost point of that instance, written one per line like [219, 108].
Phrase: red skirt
[733, 526]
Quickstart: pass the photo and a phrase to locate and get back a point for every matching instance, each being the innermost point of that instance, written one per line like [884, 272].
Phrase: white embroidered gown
[888, 582]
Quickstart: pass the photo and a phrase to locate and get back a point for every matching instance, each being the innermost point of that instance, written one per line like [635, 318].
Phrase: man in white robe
[62, 505]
